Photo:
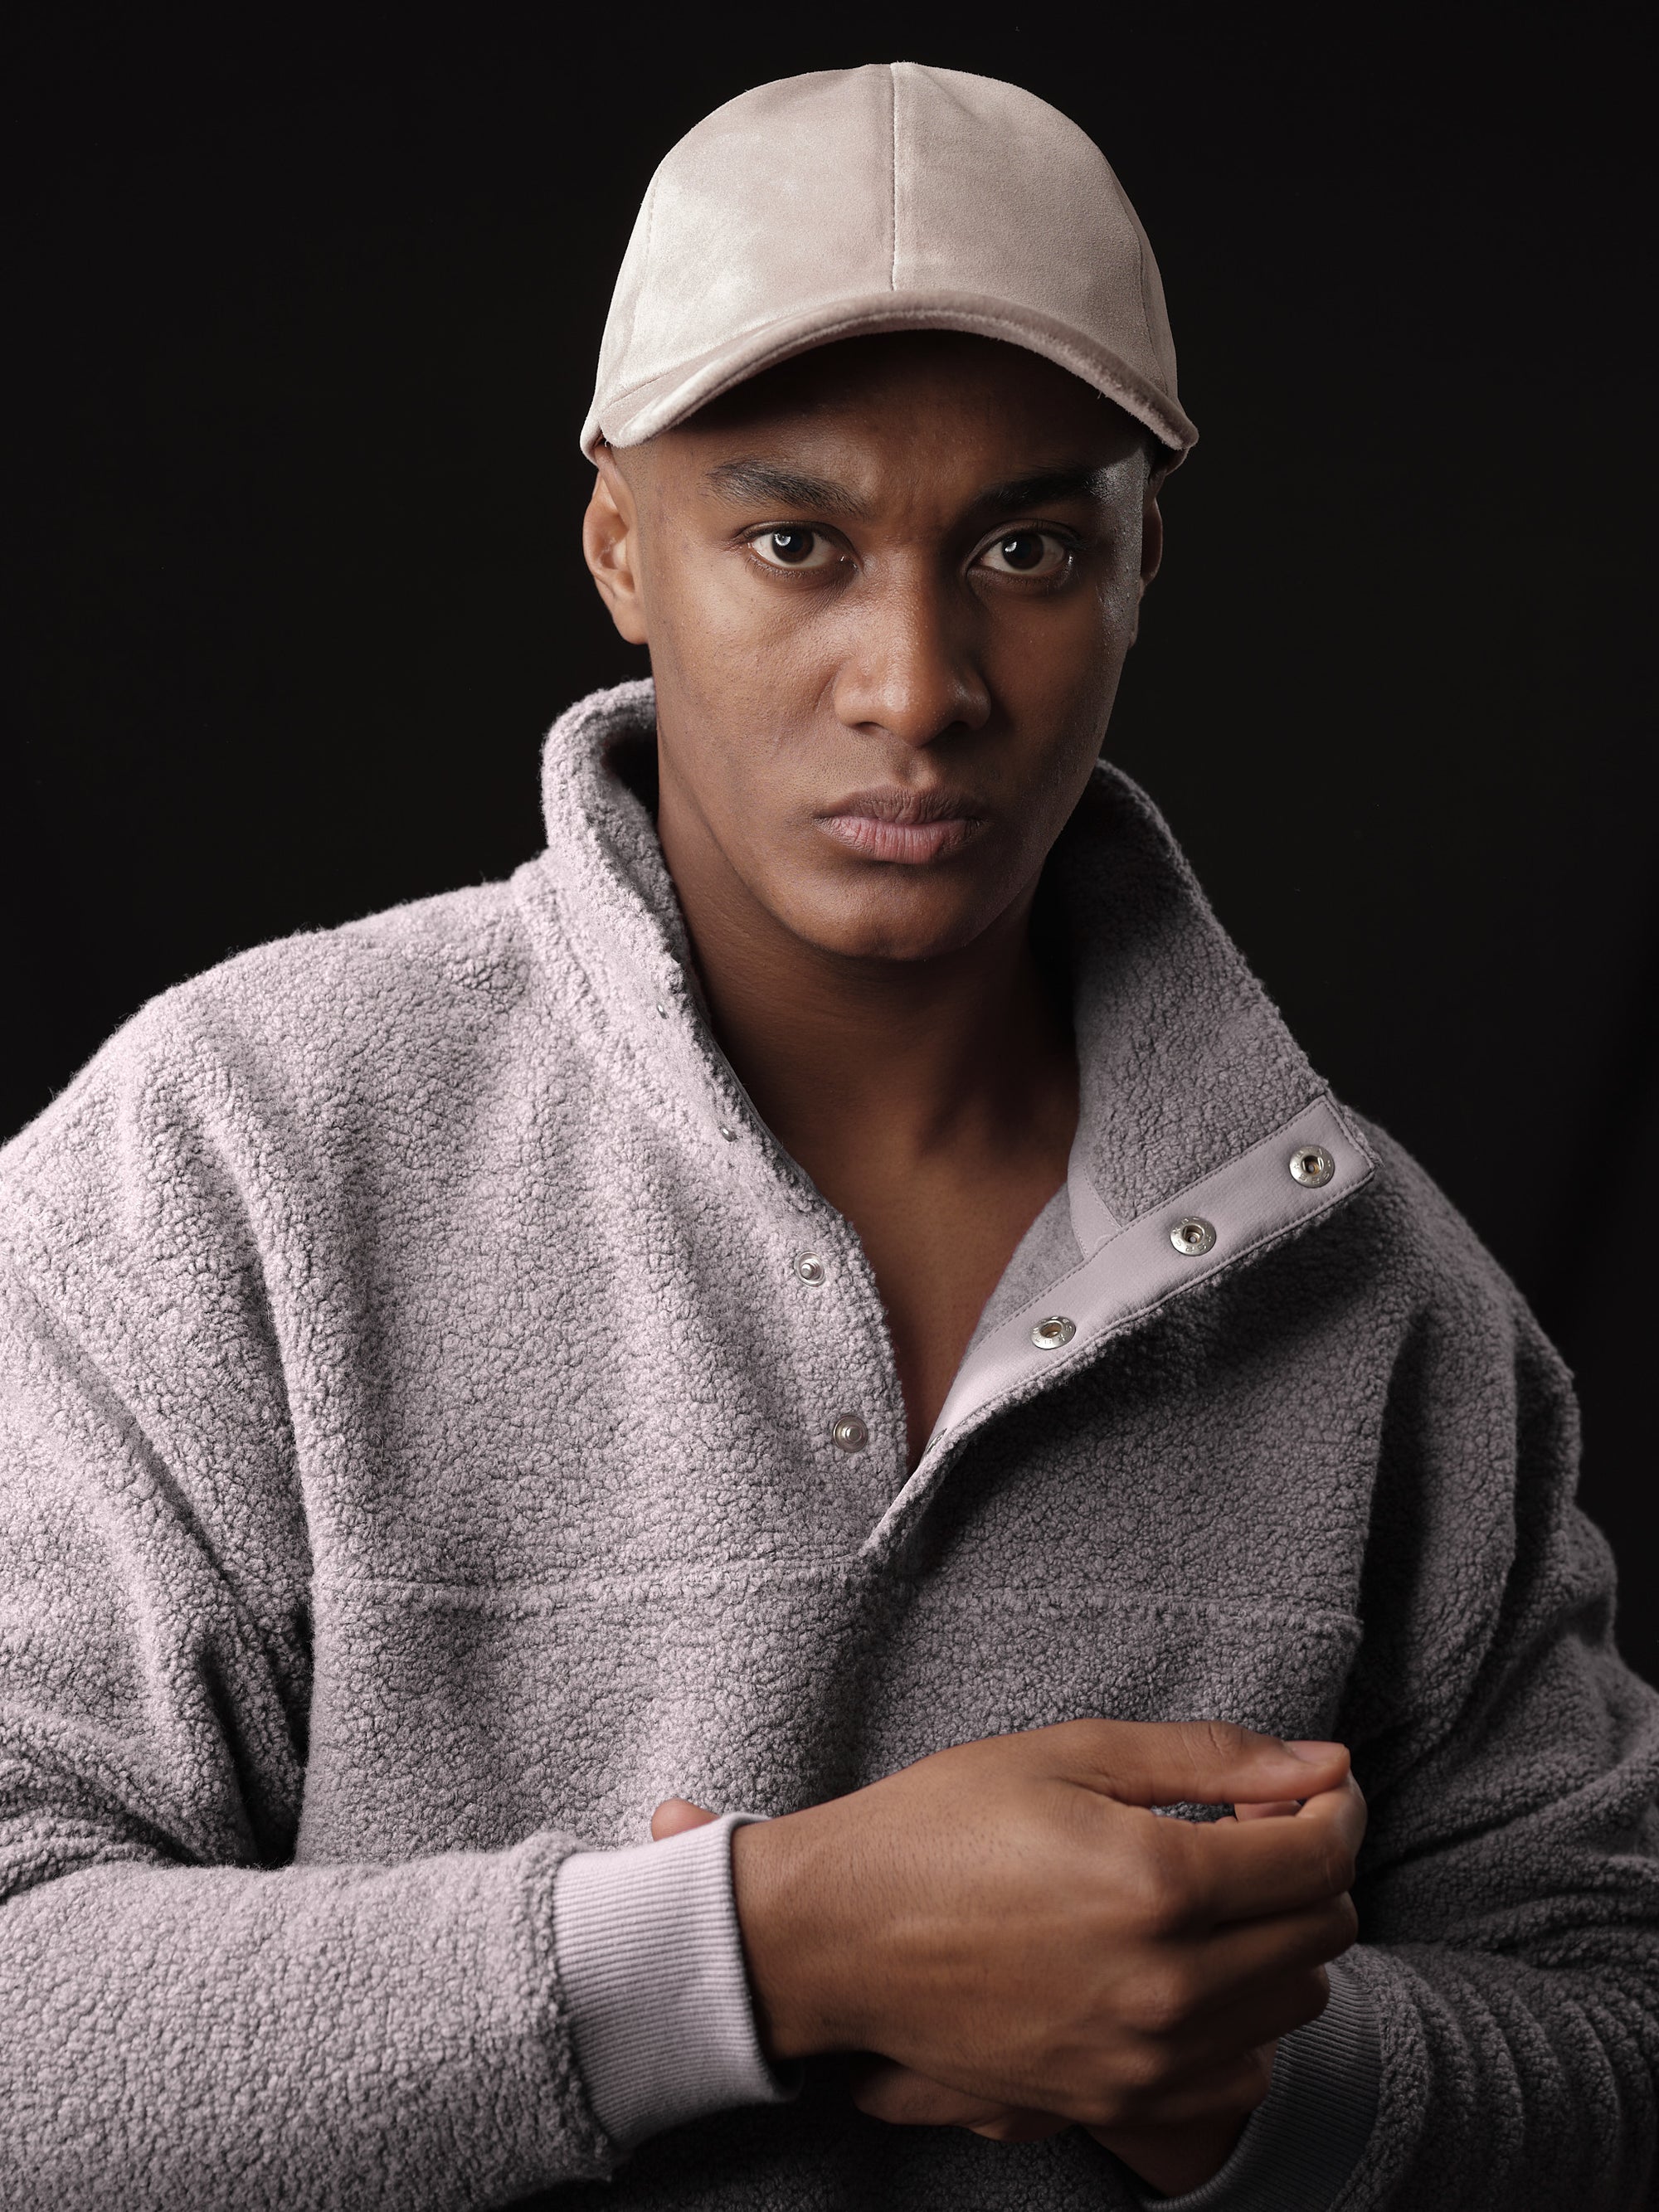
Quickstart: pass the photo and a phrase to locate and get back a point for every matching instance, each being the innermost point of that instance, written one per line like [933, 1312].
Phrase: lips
[891, 824]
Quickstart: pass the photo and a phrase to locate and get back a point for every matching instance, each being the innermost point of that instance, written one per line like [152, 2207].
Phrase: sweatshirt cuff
[650, 1961]
[1306, 2137]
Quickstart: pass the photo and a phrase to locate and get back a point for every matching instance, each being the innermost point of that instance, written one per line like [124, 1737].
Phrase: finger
[1284, 1807]
[1247, 2017]
[1235, 1991]
[1231, 2089]
[1255, 1868]
[1244, 1987]
[1017, 2123]
[1196, 1762]
[675, 1815]
[1246, 1953]
[904, 2098]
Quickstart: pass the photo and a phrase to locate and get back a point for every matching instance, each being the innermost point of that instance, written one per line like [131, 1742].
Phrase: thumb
[675, 1815]
[1202, 1763]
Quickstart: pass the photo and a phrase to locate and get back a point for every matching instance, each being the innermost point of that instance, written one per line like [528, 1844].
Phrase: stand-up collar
[1203, 1133]
[1183, 1060]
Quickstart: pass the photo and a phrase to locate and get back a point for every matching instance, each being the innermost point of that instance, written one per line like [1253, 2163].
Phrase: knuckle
[1226, 1738]
[1313, 1997]
[1336, 1866]
[1162, 1900]
[1161, 2004]
[1345, 1923]
[1141, 2071]
[1245, 2085]
[1220, 1741]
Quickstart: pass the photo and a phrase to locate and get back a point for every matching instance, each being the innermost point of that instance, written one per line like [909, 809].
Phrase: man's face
[895, 570]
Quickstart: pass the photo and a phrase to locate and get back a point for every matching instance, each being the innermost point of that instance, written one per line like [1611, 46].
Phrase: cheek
[730, 653]
[1053, 666]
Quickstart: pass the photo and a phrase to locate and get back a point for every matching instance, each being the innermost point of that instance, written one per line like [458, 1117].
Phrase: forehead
[935, 395]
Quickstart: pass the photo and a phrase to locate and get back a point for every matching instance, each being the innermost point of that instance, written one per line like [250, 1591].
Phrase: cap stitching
[892, 94]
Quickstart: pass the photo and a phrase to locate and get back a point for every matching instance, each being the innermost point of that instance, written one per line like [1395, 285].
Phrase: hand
[1008, 1920]
[885, 2091]
[1173, 2159]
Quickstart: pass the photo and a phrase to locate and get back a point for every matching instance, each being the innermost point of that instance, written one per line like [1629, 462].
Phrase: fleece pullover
[418, 1455]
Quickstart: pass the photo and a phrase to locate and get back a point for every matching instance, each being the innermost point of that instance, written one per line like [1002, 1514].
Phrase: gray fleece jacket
[422, 1449]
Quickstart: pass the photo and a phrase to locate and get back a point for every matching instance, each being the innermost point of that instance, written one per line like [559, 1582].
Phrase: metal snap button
[662, 1009]
[809, 1267]
[1312, 1163]
[1193, 1235]
[849, 1432]
[730, 1134]
[1049, 1335]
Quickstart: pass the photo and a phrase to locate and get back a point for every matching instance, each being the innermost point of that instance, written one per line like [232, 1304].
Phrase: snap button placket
[1311, 1165]
[1049, 1335]
[848, 1433]
[1193, 1235]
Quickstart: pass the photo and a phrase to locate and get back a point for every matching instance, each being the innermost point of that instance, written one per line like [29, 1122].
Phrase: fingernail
[1316, 1753]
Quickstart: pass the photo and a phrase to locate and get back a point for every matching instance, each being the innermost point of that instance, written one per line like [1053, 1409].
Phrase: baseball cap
[890, 197]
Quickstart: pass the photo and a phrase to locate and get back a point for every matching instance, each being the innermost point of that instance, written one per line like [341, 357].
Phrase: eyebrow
[750, 482]
[1087, 480]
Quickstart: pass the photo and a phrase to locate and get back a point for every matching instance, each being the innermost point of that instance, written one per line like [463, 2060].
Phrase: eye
[794, 548]
[1026, 553]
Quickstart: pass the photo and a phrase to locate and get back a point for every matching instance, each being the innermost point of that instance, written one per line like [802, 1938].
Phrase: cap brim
[635, 416]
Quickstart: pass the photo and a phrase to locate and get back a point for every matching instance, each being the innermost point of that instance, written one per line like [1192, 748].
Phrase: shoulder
[307, 1000]
[1429, 1252]
[288, 1061]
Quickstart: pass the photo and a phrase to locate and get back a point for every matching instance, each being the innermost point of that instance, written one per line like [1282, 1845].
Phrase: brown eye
[788, 549]
[1025, 553]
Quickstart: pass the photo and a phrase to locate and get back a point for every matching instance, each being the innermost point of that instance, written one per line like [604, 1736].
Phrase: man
[732, 1525]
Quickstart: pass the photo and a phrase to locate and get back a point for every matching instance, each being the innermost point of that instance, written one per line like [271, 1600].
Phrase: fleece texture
[416, 1459]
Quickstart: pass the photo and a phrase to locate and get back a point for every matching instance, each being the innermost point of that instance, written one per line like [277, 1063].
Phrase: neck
[895, 1065]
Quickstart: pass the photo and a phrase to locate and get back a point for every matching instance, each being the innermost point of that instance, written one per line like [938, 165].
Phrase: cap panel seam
[893, 159]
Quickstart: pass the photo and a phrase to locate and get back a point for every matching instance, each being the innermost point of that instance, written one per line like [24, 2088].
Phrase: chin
[906, 923]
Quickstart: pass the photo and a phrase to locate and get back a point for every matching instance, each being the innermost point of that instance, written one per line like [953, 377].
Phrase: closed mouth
[891, 824]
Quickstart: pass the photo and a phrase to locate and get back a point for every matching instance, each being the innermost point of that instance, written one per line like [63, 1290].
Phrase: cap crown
[887, 197]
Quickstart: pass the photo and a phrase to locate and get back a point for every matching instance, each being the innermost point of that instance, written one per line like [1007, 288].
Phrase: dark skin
[913, 566]
[889, 1021]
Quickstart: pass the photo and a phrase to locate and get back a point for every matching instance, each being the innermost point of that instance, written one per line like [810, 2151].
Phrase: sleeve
[651, 1960]
[1509, 1884]
[187, 2016]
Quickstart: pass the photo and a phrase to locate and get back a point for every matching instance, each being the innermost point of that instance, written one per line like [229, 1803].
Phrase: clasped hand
[1019, 1944]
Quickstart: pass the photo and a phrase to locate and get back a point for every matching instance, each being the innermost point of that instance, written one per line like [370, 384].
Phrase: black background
[302, 332]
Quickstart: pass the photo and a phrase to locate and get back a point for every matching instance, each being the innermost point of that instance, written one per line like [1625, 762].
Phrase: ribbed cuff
[1308, 2133]
[650, 1960]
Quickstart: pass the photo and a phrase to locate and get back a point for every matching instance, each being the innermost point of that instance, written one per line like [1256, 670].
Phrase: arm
[1009, 1918]
[187, 2016]
[1509, 1893]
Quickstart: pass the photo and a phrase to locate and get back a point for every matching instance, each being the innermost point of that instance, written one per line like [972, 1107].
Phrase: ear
[1151, 543]
[611, 547]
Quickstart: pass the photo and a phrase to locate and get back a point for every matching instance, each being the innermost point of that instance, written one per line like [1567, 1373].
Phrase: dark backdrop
[301, 335]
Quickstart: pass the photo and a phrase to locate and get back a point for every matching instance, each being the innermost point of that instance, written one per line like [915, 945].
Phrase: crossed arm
[1023, 1945]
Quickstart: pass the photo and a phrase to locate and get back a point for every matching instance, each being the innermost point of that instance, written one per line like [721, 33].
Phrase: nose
[909, 670]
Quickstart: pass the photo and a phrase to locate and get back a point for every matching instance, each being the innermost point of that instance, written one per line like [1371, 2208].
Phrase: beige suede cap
[890, 197]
